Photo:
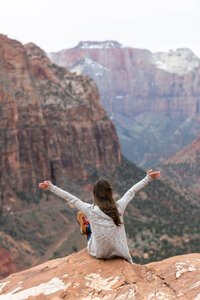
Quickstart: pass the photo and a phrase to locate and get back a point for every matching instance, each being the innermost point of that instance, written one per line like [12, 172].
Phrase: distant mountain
[98, 45]
[53, 127]
[153, 98]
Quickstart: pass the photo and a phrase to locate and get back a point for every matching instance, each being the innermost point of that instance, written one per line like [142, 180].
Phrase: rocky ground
[79, 276]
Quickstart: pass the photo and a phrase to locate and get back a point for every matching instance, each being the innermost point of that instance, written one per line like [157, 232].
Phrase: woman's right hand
[153, 175]
[45, 185]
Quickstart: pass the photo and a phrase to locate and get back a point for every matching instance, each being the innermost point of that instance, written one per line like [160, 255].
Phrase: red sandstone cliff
[153, 98]
[182, 170]
[52, 123]
[53, 127]
[135, 76]
[82, 277]
[7, 264]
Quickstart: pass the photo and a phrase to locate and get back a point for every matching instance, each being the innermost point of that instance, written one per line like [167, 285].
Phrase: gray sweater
[107, 239]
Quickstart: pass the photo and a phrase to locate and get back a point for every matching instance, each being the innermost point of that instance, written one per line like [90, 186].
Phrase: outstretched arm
[80, 205]
[128, 196]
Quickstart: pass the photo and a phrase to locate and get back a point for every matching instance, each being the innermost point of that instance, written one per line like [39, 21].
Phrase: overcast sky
[157, 25]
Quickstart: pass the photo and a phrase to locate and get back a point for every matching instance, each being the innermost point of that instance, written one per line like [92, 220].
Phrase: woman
[102, 221]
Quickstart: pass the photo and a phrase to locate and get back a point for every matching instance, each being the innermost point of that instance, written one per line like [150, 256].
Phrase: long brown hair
[104, 199]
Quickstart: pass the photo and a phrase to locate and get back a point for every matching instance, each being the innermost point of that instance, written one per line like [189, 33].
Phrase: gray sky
[157, 25]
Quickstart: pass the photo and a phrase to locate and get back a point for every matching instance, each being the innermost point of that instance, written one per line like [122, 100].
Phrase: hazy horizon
[149, 24]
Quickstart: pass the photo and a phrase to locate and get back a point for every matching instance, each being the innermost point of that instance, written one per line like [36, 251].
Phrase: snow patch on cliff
[87, 65]
[98, 45]
[181, 61]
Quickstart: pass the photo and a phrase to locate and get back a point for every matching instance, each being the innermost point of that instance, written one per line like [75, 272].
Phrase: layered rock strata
[137, 83]
[52, 123]
[151, 97]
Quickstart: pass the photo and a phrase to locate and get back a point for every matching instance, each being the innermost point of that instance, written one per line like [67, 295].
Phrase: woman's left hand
[153, 175]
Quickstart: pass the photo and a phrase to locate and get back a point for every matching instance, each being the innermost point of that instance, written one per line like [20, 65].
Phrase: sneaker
[83, 222]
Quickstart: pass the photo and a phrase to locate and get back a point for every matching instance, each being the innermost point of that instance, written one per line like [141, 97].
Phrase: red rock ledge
[79, 276]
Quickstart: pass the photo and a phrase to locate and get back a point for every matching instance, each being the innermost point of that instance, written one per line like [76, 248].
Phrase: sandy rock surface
[79, 276]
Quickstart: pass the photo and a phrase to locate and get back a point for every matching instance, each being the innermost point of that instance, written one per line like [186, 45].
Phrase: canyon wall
[182, 170]
[153, 98]
[52, 123]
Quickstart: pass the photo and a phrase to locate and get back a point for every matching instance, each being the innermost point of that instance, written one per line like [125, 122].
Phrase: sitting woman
[102, 222]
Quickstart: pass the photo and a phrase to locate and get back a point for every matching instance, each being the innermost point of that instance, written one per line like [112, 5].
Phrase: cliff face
[146, 95]
[137, 73]
[52, 127]
[7, 264]
[52, 123]
[182, 170]
[82, 277]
